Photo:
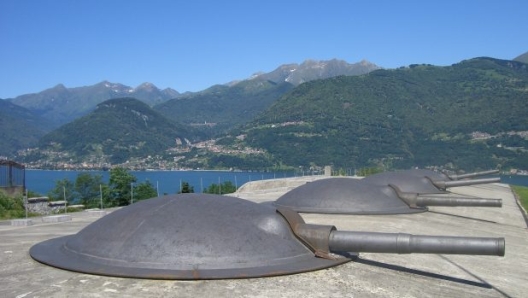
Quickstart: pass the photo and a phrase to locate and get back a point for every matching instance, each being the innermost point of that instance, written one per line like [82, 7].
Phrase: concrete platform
[372, 275]
[22, 222]
[56, 218]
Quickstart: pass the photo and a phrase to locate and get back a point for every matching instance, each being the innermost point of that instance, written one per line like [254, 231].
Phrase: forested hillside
[117, 130]
[221, 107]
[19, 128]
[468, 115]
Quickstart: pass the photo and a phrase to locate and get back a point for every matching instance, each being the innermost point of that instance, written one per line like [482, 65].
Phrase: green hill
[422, 115]
[117, 130]
[221, 107]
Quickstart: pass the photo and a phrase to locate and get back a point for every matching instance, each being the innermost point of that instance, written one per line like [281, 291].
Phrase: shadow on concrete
[475, 276]
[481, 284]
[461, 216]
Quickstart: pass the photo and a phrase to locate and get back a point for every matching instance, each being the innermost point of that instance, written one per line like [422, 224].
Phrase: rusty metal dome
[345, 196]
[186, 236]
[354, 196]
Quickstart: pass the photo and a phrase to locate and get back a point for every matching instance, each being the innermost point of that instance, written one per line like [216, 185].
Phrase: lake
[42, 181]
[168, 182]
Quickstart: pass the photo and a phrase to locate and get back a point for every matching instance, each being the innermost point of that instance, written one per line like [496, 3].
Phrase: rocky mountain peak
[312, 69]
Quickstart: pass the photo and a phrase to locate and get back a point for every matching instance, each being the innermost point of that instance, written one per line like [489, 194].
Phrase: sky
[192, 45]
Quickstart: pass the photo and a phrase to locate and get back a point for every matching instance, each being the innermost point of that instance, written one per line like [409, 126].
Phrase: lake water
[42, 181]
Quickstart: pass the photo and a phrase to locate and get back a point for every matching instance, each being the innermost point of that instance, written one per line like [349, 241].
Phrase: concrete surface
[372, 275]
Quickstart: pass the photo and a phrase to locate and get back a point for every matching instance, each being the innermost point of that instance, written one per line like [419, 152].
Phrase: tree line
[122, 189]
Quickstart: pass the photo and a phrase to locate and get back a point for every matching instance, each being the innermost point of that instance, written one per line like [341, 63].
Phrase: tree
[64, 190]
[144, 190]
[224, 188]
[120, 186]
[186, 188]
[87, 186]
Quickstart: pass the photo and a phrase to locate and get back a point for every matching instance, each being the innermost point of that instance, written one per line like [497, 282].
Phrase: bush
[522, 194]
[11, 207]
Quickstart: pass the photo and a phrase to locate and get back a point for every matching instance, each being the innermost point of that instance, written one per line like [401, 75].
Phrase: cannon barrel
[415, 200]
[406, 243]
[457, 202]
[472, 175]
[446, 184]
[326, 238]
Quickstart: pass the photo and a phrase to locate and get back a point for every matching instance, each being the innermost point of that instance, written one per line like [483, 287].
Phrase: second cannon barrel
[402, 243]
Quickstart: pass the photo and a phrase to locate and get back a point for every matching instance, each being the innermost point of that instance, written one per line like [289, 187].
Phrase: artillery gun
[203, 236]
[427, 181]
[353, 196]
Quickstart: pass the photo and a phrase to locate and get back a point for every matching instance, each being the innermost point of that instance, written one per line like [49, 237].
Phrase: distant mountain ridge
[61, 105]
[522, 58]
[310, 70]
[233, 104]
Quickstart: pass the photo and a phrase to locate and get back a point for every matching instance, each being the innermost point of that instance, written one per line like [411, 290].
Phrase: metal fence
[12, 177]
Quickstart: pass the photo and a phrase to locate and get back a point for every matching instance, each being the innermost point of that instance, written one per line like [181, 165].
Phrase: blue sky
[191, 45]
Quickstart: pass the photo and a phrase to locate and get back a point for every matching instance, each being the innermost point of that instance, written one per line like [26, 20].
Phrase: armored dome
[345, 196]
[423, 181]
[186, 236]
[414, 181]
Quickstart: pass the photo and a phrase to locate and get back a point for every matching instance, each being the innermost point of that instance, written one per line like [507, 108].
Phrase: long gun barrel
[406, 243]
[446, 184]
[323, 239]
[415, 200]
[472, 175]
[457, 202]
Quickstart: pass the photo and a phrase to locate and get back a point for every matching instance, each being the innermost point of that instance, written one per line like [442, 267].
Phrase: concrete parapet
[284, 183]
[22, 222]
[96, 213]
[57, 218]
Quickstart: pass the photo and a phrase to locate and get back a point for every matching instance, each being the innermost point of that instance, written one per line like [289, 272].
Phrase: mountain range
[223, 107]
[213, 107]
[61, 105]
[469, 115]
